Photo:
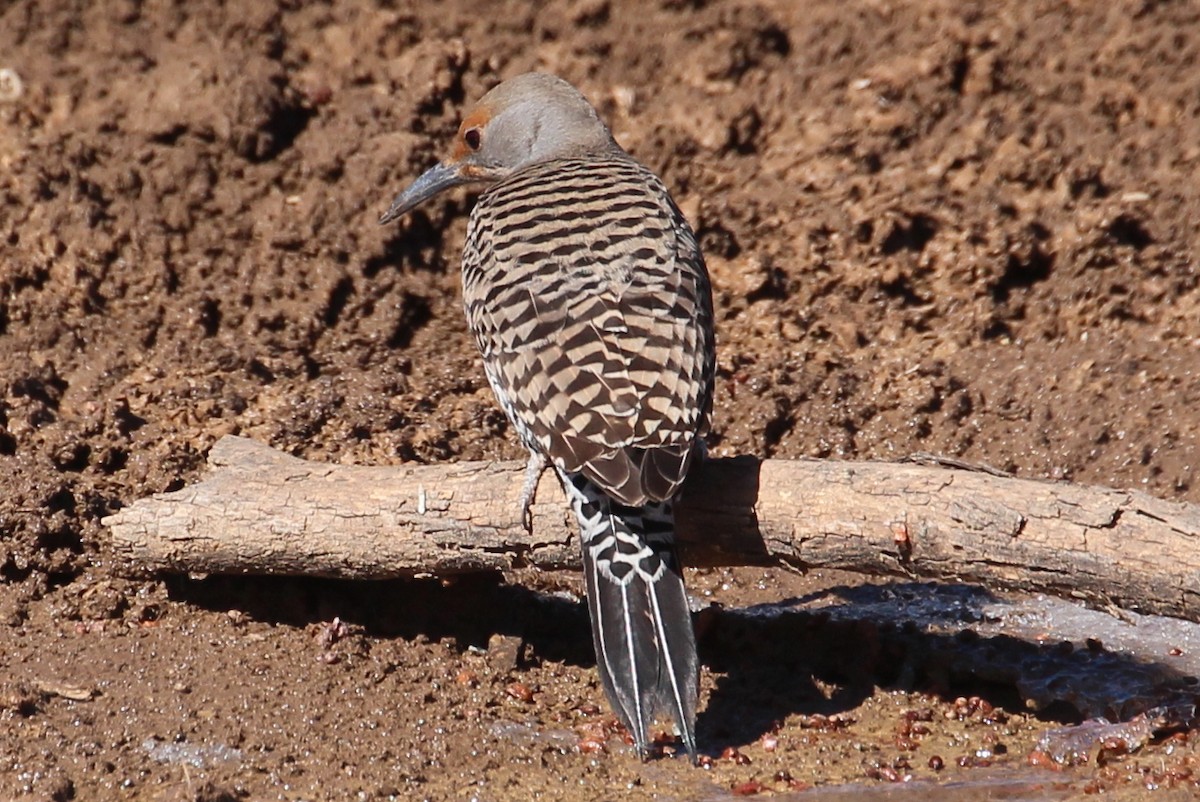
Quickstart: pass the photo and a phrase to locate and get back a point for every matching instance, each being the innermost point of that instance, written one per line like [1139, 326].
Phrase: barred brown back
[588, 296]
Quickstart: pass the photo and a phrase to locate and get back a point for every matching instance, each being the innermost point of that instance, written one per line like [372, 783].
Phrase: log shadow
[464, 612]
[823, 653]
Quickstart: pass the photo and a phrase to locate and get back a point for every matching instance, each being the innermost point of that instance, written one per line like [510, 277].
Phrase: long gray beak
[436, 179]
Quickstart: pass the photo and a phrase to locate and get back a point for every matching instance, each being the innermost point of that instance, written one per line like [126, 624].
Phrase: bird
[587, 294]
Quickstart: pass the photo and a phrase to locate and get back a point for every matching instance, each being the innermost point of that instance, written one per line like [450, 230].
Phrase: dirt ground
[960, 228]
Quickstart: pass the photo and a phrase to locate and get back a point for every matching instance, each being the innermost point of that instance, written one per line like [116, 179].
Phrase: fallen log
[260, 511]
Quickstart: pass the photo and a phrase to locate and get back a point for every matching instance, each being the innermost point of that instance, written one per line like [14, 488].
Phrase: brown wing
[591, 304]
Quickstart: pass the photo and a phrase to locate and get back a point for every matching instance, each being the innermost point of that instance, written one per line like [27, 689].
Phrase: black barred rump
[641, 622]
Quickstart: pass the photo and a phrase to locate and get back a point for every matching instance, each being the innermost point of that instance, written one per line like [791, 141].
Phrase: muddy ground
[959, 228]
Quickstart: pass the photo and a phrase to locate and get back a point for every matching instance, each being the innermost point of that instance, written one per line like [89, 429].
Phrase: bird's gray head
[525, 120]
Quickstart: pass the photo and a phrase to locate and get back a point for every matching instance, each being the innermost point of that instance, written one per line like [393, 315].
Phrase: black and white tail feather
[641, 622]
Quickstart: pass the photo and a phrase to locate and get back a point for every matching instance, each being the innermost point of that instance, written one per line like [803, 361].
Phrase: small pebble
[11, 86]
[749, 788]
[519, 691]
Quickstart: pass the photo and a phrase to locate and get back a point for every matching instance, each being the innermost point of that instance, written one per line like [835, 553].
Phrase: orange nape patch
[478, 118]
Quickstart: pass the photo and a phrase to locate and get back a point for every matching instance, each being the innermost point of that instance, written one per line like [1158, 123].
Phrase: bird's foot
[533, 472]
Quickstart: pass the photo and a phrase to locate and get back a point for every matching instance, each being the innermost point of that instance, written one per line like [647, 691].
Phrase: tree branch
[261, 511]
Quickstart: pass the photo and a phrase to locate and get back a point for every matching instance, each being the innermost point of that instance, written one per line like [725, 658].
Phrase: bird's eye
[473, 137]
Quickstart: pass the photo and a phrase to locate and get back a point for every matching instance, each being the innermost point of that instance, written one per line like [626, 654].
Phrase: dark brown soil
[960, 228]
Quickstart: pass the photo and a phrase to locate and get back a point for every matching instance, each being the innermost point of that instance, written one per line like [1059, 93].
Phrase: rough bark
[261, 511]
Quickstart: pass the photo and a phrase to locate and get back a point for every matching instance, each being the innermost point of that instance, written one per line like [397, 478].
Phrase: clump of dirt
[965, 229]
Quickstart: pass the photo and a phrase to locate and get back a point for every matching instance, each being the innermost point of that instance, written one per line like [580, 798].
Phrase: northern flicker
[588, 297]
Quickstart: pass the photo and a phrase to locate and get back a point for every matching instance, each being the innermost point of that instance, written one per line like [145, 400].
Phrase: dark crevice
[958, 79]
[287, 124]
[339, 296]
[1022, 273]
[62, 501]
[210, 316]
[718, 240]
[169, 137]
[1128, 230]
[414, 314]
[913, 236]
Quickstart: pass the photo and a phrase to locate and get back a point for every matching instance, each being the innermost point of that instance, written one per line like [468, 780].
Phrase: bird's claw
[533, 472]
